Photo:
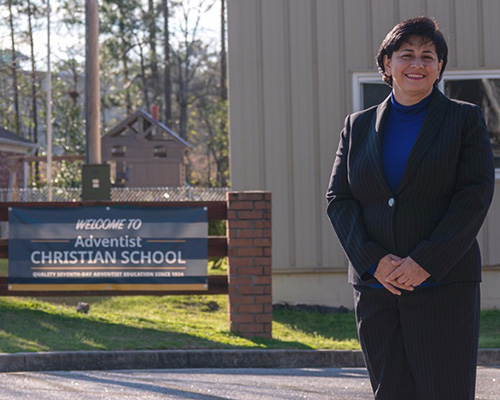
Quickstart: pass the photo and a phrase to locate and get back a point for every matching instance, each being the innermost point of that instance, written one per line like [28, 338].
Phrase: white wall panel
[490, 288]
[276, 126]
[290, 72]
[383, 19]
[332, 108]
[467, 42]
[443, 12]
[358, 46]
[306, 194]
[245, 93]
[410, 9]
[491, 32]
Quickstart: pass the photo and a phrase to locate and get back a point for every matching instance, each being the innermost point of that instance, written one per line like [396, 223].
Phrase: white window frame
[358, 78]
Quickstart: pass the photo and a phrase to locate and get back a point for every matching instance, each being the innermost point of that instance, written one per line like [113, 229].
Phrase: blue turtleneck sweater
[400, 133]
[402, 125]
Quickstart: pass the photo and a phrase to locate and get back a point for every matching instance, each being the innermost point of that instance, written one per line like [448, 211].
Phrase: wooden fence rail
[247, 246]
[217, 247]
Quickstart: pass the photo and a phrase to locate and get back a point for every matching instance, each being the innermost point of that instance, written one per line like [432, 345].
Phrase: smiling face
[414, 69]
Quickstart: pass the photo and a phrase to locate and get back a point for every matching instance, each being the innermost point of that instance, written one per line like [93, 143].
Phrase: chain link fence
[119, 194]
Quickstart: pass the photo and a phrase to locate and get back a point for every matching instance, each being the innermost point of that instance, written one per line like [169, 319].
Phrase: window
[160, 151]
[482, 89]
[118, 150]
[374, 93]
[368, 89]
[478, 87]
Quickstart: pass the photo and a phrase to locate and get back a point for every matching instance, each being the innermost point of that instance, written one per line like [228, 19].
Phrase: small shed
[143, 152]
[13, 173]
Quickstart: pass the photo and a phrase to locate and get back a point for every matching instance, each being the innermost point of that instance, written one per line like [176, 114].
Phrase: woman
[410, 187]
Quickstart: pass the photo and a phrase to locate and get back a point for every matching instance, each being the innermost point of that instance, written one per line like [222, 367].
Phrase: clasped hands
[395, 273]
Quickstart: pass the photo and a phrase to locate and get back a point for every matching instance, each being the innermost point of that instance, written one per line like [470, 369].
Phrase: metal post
[96, 184]
[49, 110]
[92, 89]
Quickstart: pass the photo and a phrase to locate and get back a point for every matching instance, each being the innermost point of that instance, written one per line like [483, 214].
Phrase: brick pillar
[249, 263]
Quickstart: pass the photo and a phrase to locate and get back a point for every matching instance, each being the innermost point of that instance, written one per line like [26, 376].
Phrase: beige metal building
[296, 69]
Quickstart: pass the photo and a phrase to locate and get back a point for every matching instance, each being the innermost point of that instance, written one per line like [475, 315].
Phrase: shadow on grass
[330, 326]
[36, 330]
[31, 330]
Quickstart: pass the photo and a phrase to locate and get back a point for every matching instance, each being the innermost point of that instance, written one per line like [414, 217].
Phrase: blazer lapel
[430, 128]
[375, 142]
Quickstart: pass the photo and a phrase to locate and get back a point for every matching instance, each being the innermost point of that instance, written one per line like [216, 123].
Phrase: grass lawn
[172, 322]
[147, 322]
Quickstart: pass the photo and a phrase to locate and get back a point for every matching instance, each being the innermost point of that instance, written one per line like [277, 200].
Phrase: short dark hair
[422, 27]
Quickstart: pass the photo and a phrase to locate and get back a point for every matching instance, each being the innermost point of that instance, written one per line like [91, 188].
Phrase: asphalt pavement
[210, 384]
[203, 374]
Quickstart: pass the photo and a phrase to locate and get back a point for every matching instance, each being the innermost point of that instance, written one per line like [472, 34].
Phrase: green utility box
[96, 182]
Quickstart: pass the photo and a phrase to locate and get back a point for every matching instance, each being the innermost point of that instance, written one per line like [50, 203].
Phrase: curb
[173, 359]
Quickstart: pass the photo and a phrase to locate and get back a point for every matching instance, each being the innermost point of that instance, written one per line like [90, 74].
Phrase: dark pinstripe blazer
[442, 201]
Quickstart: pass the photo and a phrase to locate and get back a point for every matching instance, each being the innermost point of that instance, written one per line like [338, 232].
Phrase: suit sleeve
[457, 231]
[346, 216]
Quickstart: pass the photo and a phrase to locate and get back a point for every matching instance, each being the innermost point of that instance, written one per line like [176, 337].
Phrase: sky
[61, 39]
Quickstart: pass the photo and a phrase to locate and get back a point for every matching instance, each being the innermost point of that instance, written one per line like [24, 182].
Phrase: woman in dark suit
[410, 187]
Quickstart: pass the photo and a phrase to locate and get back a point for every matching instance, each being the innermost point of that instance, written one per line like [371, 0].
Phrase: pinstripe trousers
[421, 345]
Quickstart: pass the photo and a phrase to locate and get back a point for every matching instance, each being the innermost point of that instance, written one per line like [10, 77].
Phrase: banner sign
[108, 248]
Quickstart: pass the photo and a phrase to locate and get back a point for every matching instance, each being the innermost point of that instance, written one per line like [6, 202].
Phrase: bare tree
[155, 76]
[144, 77]
[15, 87]
[34, 132]
[191, 72]
[190, 56]
[167, 73]
[223, 56]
